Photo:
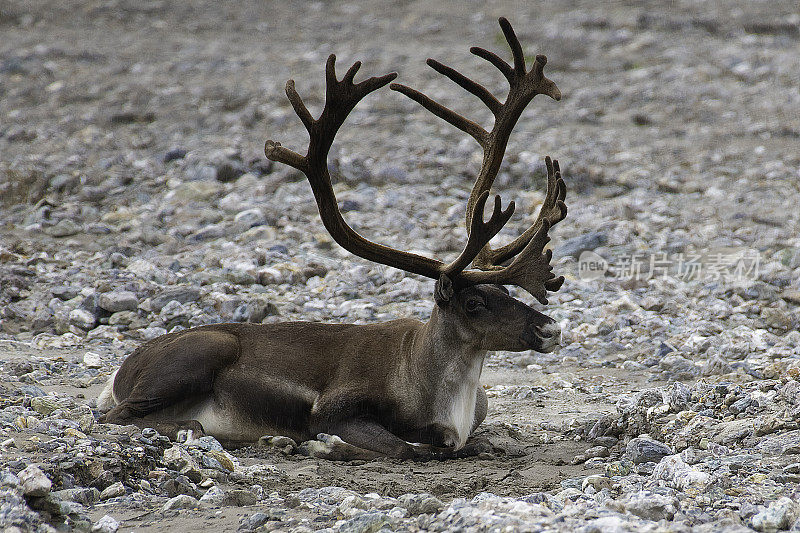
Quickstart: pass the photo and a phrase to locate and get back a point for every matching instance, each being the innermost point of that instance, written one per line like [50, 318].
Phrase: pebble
[644, 450]
[780, 514]
[117, 301]
[180, 294]
[107, 524]
[117, 239]
[420, 503]
[113, 491]
[83, 319]
[181, 501]
[34, 482]
[679, 475]
[63, 228]
[92, 360]
[651, 506]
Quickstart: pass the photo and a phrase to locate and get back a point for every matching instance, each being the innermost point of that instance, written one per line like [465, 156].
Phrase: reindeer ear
[444, 291]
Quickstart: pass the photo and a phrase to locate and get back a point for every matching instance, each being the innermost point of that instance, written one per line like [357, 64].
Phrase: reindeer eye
[473, 304]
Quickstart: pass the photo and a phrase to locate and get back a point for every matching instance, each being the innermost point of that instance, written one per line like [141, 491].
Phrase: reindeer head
[487, 317]
[473, 297]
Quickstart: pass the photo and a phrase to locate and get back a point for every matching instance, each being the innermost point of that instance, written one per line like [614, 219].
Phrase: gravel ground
[135, 199]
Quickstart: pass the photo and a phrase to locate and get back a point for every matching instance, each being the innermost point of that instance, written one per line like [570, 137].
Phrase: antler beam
[529, 266]
[524, 85]
[341, 97]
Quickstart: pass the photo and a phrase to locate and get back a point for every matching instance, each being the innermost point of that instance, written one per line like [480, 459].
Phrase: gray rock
[368, 522]
[34, 482]
[679, 475]
[779, 515]
[785, 444]
[181, 501]
[178, 458]
[64, 228]
[92, 360]
[179, 485]
[596, 451]
[229, 171]
[257, 520]
[733, 431]
[679, 397]
[202, 173]
[651, 506]
[679, 365]
[239, 498]
[52, 504]
[574, 246]
[207, 443]
[420, 503]
[152, 332]
[250, 217]
[645, 450]
[65, 292]
[214, 496]
[10, 481]
[123, 318]
[82, 318]
[392, 174]
[113, 491]
[716, 365]
[82, 495]
[107, 524]
[182, 294]
[793, 468]
[116, 301]
[174, 154]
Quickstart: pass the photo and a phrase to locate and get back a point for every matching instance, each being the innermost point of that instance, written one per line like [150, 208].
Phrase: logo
[591, 266]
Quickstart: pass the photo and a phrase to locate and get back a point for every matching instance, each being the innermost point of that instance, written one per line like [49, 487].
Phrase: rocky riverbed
[135, 200]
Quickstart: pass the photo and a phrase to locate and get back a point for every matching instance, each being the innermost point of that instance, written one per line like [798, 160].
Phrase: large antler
[341, 97]
[530, 269]
[524, 85]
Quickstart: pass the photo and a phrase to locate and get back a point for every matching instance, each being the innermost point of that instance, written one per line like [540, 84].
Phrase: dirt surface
[131, 156]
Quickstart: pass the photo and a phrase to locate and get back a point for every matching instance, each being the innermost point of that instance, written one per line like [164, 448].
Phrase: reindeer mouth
[548, 344]
[544, 339]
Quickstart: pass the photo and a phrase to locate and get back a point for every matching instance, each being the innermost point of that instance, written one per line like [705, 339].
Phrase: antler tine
[340, 98]
[530, 269]
[513, 43]
[524, 85]
[445, 113]
[470, 85]
[495, 60]
[480, 233]
[553, 209]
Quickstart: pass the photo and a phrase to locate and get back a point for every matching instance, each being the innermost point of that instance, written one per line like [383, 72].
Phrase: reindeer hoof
[187, 431]
[333, 448]
[476, 446]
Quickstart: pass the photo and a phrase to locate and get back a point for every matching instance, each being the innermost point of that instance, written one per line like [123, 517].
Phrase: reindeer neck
[440, 350]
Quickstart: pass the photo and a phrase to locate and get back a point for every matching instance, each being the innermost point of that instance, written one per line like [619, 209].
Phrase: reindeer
[403, 388]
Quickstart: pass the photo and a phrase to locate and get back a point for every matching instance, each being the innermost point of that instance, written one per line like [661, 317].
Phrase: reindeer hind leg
[168, 372]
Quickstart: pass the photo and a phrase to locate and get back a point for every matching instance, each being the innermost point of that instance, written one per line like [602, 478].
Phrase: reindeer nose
[550, 336]
[550, 330]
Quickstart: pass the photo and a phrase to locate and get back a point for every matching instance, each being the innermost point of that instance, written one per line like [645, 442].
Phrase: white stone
[107, 524]
[92, 360]
[181, 501]
[34, 482]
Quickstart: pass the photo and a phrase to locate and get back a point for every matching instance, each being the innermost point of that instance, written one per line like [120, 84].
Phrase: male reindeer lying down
[379, 387]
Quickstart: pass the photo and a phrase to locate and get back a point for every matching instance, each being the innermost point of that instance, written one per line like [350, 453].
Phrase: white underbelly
[222, 423]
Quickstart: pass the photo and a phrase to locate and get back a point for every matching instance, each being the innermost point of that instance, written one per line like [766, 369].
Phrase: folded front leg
[369, 440]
